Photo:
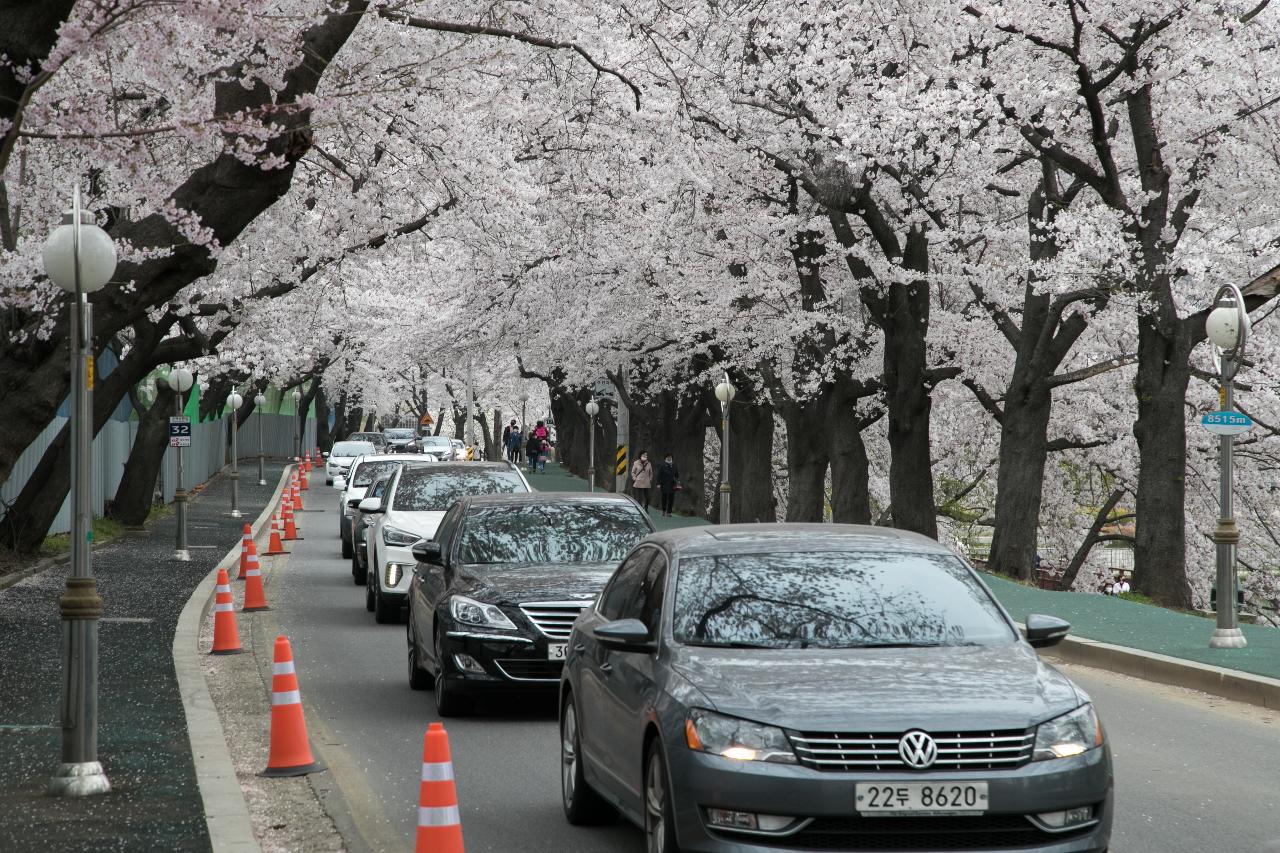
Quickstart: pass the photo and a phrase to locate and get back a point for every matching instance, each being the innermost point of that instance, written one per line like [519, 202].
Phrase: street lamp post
[593, 409]
[258, 403]
[725, 392]
[180, 380]
[80, 258]
[297, 425]
[236, 402]
[1228, 329]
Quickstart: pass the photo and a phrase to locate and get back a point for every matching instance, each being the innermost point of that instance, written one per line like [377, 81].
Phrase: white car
[339, 458]
[437, 447]
[415, 501]
[352, 487]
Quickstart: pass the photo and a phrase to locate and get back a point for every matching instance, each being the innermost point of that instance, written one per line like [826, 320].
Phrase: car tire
[328, 481]
[358, 575]
[386, 610]
[369, 599]
[347, 550]
[582, 805]
[659, 816]
[451, 701]
[419, 678]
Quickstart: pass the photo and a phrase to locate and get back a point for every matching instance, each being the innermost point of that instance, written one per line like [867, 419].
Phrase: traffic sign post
[179, 431]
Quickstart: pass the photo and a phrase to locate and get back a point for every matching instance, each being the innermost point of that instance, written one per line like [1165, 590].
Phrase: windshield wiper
[734, 645]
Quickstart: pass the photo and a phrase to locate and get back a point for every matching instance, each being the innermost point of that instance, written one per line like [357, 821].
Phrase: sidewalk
[1094, 617]
[142, 738]
[557, 479]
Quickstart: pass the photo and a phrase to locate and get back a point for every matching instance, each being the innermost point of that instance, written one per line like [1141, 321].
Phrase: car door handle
[606, 667]
[580, 647]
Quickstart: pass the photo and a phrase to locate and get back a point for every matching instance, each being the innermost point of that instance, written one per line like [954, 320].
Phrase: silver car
[824, 687]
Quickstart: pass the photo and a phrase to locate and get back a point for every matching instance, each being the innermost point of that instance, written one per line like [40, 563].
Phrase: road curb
[225, 810]
[1163, 669]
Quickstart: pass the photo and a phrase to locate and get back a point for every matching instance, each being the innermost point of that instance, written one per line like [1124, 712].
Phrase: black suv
[495, 593]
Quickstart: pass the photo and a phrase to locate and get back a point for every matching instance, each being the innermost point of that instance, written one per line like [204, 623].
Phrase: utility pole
[624, 432]
[471, 423]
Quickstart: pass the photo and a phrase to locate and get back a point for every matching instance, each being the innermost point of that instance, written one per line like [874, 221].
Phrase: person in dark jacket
[533, 450]
[668, 483]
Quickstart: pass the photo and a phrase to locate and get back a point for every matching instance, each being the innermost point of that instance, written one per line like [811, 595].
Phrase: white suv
[351, 488]
[410, 511]
[339, 458]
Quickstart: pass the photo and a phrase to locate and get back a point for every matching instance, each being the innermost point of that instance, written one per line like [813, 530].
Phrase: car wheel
[370, 583]
[419, 678]
[386, 610]
[328, 481]
[357, 573]
[582, 805]
[659, 825]
[450, 699]
[347, 550]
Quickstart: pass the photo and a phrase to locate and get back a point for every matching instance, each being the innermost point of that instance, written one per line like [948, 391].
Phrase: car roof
[527, 498]
[392, 457]
[465, 466]
[762, 538]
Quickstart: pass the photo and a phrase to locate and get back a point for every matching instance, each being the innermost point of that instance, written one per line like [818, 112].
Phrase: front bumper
[510, 661]
[827, 820]
[401, 557]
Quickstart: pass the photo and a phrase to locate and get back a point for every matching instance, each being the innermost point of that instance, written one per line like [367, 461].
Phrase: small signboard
[1226, 423]
[179, 431]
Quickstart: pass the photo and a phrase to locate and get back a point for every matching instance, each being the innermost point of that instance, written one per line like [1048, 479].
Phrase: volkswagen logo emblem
[917, 749]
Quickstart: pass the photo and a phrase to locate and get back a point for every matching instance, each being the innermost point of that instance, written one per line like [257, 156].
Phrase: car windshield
[351, 448]
[436, 489]
[435, 441]
[399, 433]
[568, 532]
[367, 472]
[833, 599]
[368, 436]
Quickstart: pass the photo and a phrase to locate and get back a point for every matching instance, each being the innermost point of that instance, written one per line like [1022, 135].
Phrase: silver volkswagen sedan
[793, 687]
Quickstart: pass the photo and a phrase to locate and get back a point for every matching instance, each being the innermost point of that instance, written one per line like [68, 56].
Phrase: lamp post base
[183, 554]
[235, 513]
[81, 779]
[1227, 638]
[262, 482]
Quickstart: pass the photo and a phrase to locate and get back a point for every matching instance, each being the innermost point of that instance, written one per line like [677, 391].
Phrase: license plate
[921, 798]
[556, 651]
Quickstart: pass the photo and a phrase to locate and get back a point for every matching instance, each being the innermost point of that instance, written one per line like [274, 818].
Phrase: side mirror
[354, 502]
[370, 505]
[339, 483]
[1045, 631]
[325, 454]
[428, 552]
[624, 635]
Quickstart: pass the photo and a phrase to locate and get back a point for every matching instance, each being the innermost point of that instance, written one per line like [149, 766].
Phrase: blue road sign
[1226, 423]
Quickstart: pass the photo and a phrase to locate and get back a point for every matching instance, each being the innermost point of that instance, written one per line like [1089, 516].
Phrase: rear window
[399, 433]
[835, 600]
[434, 489]
[351, 448]
[367, 472]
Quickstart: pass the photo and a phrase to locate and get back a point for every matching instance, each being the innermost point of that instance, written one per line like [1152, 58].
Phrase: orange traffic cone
[255, 598]
[297, 498]
[245, 543]
[226, 639]
[275, 547]
[290, 529]
[290, 752]
[302, 481]
[439, 824]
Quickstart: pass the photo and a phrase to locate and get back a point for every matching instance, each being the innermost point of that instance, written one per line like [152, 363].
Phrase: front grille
[990, 750]
[554, 618]
[984, 832]
[527, 669]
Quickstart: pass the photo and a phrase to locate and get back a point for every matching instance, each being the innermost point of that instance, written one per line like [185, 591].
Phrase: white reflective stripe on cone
[437, 771]
[438, 816]
[252, 573]
[286, 697]
[222, 587]
[223, 606]
[282, 668]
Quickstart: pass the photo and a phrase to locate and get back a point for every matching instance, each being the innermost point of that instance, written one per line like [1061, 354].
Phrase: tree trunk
[1020, 479]
[1160, 553]
[132, 503]
[909, 402]
[324, 437]
[750, 461]
[850, 470]
[807, 458]
[496, 450]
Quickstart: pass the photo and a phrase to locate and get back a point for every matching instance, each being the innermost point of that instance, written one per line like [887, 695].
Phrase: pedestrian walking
[668, 483]
[543, 435]
[512, 440]
[533, 450]
[642, 478]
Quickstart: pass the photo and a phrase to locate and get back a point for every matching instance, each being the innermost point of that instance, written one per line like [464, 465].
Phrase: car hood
[513, 583]
[423, 524]
[852, 690]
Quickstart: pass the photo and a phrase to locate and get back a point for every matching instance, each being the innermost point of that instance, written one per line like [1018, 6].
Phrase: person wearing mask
[642, 478]
[668, 483]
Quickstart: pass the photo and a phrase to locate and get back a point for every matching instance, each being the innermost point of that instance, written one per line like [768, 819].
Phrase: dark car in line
[377, 439]
[495, 593]
[824, 687]
[401, 440]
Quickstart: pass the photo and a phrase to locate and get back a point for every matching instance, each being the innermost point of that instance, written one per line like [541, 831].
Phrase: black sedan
[494, 595]
[824, 687]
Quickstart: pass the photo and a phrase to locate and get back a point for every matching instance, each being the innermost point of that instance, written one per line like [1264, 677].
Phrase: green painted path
[1095, 617]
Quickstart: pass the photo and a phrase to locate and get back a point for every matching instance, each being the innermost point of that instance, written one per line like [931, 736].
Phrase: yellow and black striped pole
[621, 467]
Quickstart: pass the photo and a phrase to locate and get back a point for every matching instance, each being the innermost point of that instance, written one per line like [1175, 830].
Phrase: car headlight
[396, 536]
[1071, 734]
[731, 737]
[472, 612]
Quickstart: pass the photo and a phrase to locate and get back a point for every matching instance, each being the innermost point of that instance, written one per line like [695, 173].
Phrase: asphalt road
[1194, 773]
